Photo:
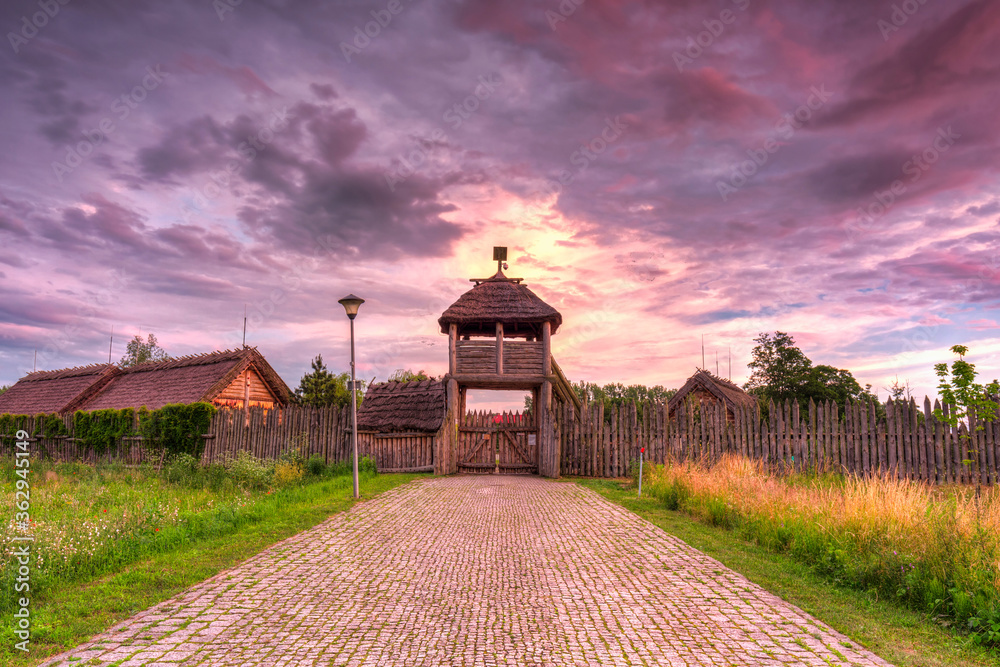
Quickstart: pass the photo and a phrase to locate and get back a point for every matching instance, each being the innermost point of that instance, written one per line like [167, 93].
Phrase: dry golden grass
[937, 549]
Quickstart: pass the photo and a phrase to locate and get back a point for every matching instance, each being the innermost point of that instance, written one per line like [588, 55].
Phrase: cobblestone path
[476, 571]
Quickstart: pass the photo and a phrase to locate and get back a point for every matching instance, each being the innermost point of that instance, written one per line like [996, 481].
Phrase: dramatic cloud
[659, 171]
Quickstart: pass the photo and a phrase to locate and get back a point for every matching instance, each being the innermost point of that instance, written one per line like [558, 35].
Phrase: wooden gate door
[504, 444]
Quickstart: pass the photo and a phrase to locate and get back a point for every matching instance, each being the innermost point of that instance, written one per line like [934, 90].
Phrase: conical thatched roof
[499, 299]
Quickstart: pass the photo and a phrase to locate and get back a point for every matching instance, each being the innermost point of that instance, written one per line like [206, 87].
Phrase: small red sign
[643, 450]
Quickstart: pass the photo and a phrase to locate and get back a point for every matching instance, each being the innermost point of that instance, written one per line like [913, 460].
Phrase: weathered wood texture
[908, 442]
[266, 434]
[504, 442]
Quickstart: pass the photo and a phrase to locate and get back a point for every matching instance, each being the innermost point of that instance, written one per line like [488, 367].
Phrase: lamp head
[351, 304]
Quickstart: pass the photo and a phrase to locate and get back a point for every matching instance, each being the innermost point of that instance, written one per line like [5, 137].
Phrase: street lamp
[351, 304]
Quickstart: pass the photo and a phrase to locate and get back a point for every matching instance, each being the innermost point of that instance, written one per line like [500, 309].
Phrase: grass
[161, 533]
[882, 624]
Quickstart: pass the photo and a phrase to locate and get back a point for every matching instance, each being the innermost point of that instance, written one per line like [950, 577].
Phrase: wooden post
[452, 348]
[444, 459]
[499, 348]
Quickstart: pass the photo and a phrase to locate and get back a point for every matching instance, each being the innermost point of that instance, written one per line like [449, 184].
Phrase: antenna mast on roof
[244, 326]
[111, 342]
[716, 363]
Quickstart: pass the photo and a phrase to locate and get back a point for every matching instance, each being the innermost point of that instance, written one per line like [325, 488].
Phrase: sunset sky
[659, 170]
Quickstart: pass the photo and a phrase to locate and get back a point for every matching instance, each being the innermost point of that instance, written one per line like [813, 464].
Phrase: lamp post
[351, 304]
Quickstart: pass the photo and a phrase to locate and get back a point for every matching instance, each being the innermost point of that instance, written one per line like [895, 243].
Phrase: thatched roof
[499, 299]
[397, 407]
[55, 391]
[731, 394]
[185, 380]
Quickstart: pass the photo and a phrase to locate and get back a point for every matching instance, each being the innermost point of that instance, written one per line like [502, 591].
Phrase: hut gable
[205, 377]
[499, 299]
[55, 391]
[399, 407]
[707, 387]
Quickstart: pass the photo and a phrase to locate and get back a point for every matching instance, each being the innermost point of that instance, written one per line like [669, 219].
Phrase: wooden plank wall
[523, 357]
[478, 355]
[908, 442]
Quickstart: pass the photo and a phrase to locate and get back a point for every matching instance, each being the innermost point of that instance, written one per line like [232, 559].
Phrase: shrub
[249, 472]
[316, 466]
[286, 474]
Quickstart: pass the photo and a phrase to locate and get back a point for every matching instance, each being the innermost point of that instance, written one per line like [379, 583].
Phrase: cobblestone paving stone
[476, 570]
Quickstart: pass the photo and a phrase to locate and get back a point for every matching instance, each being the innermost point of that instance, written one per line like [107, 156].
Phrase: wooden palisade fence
[907, 442]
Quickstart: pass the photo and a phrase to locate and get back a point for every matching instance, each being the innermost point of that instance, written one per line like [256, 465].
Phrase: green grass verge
[72, 613]
[903, 637]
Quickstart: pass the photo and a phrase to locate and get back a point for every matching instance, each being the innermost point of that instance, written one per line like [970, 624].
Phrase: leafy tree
[4, 388]
[779, 368]
[782, 371]
[320, 387]
[618, 394]
[408, 376]
[966, 398]
[137, 352]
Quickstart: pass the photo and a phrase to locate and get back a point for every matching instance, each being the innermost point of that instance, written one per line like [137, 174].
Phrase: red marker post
[641, 452]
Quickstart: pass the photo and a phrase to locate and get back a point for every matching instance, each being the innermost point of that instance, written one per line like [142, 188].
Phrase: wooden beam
[546, 348]
[499, 348]
[452, 348]
[492, 381]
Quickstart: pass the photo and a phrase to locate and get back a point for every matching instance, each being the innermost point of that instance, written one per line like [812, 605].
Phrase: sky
[660, 172]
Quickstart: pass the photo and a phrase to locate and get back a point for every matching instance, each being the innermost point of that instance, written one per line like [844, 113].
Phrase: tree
[408, 376]
[137, 352]
[779, 368]
[781, 371]
[618, 394]
[321, 388]
[4, 388]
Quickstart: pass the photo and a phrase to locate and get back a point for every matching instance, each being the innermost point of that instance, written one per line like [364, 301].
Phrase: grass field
[778, 531]
[112, 541]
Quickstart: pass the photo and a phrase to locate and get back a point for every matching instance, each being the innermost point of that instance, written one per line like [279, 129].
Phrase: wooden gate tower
[499, 337]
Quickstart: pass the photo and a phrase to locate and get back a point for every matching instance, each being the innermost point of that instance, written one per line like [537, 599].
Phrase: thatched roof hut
[229, 377]
[55, 391]
[402, 407]
[707, 387]
[499, 299]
